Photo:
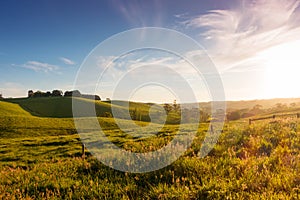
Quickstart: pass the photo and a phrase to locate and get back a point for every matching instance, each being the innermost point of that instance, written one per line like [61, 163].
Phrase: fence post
[83, 151]
[211, 128]
[273, 116]
[298, 115]
[250, 120]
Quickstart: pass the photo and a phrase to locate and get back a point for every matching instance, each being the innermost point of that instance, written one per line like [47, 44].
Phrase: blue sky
[252, 43]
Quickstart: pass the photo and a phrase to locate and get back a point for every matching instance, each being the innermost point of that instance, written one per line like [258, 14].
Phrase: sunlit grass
[41, 158]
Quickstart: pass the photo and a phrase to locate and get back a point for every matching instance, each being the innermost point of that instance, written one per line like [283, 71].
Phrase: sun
[282, 70]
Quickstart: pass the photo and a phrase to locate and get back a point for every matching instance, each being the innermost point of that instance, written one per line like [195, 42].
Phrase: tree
[68, 93]
[167, 108]
[48, 94]
[235, 115]
[176, 107]
[30, 93]
[257, 109]
[97, 97]
[293, 105]
[38, 94]
[57, 93]
[76, 93]
[204, 116]
[134, 114]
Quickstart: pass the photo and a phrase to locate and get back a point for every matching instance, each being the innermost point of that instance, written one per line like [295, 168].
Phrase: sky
[254, 45]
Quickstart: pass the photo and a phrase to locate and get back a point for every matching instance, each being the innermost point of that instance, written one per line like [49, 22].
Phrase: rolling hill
[10, 109]
[61, 107]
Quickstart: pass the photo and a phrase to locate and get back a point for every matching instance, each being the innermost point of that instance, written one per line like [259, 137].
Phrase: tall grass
[41, 159]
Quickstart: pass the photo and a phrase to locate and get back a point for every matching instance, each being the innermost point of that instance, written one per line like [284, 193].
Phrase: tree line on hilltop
[59, 93]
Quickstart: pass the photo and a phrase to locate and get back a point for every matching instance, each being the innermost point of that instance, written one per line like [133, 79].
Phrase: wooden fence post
[298, 115]
[273, 116]
[250, 120]
[211, 128]
[83, 151]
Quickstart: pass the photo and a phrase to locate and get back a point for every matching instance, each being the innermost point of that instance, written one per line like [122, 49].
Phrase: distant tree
[293, 104]
[48, 94]
[30, 93]
[280, 106]
[167, 108]
[57, 93]
[235, 115]
[68, 93]
[204, 116]
[76, 93]
[176, 107]
[247, 114]
[97, 97]
[38, 94]
[257, 109]
[133, 114]
[91, 96]
[1, 96]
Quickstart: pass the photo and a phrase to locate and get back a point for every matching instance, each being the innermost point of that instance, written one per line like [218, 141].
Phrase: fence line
[274, 116]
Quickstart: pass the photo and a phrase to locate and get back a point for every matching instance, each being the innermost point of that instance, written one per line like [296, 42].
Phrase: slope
[11, 109]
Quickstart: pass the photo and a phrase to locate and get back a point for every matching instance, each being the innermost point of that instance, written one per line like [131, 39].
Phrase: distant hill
[266, 103]
[247, 104]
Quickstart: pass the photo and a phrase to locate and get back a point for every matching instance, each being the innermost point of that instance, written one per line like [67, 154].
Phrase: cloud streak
[237, 35]
[136, 12]
[40, 67]
[67, 61]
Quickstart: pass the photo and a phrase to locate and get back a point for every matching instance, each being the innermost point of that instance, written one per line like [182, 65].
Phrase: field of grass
[61, 107]
[41, 158]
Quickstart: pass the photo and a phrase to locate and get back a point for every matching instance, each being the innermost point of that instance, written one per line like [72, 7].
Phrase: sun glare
[282, 70]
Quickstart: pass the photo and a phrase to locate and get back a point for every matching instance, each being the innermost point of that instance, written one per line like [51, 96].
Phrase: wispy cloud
[67, 61]
[237, 35]
[135, 68]
[136, 12]
[39, 66]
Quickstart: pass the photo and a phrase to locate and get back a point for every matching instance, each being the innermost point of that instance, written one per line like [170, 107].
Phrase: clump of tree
[245, 113]
[59, 93]
[54, 93]
[76, 93]
[234, 115]
[176, 114]
[175, 108]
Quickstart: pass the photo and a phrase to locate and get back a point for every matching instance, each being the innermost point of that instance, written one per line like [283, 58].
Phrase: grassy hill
[10, 109]
[41, 158]
[61, 107]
